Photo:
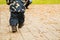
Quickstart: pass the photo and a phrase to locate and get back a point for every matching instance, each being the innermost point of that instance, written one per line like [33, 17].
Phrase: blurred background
[42, 21]
[38, 2]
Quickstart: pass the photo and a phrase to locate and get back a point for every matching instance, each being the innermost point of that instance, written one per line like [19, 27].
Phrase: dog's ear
[8, 2]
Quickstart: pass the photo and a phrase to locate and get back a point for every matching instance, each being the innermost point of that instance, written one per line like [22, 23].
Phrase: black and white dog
[17, 10]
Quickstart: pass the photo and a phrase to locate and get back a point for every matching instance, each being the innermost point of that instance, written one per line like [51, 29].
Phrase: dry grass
[42, 22]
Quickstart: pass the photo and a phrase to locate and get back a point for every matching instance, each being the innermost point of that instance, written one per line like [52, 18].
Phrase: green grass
[2, 2]
[38, 2]
[46, 1]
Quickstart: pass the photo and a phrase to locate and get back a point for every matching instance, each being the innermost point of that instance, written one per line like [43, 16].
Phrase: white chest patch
[17, 5]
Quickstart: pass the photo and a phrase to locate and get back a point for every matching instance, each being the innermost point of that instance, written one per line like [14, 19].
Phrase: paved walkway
[42, 22]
